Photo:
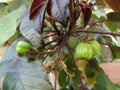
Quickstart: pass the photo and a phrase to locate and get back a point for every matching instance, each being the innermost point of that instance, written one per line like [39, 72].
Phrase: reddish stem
[49, 52]
[97, 32]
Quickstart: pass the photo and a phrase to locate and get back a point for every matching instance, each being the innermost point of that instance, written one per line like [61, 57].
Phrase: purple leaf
[21, 74]
[59, 11]
[37, 13]
[38, 21]
[87, 15]
[29, 32]
[35, 7]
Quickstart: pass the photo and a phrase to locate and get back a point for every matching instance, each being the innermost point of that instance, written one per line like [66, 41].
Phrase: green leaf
[104, 83]
[3, 10]
[112, 26]
[115, 51]
[108, 39]
[89, 71]
[21, 74]
[73, 41]
[13, 4]
[98, 14]
[62, 79]
[69, 63]
[8, 24]
[114, 16]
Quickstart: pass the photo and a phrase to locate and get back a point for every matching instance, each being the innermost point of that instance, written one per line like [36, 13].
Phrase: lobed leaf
[21, 74]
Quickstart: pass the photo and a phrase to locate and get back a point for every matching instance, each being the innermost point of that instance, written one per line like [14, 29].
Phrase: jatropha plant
[66, 39]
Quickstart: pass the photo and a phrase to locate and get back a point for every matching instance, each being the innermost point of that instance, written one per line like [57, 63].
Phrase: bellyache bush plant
[62, 37]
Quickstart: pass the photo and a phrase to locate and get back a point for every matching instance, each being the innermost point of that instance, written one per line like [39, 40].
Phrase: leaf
[13, 4]
[59, 11]
[37, 13]
[115, 51]
[28, 76]
[7, 66]
[98, 14]
[63, 79]
[104, 83]
[28, 31]
[75, 15]
[8, 24]
[9, 59]
[108, 39]
[3, 10]
[87, 15]
[20, 19]
[114, 16]
[112, 26]
[21, 74]
[36, 6]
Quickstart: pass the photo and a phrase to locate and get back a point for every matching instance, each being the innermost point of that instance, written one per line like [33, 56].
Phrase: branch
[94, 23]
[83, 86]
[97, 32]
[48, 52]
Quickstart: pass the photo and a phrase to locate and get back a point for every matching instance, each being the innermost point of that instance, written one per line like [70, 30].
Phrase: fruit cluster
[87, 50]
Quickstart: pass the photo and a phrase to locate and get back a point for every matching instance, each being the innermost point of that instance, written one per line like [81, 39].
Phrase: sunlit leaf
[13, 4]
[8, 24]
[3, 10]
[112, 26]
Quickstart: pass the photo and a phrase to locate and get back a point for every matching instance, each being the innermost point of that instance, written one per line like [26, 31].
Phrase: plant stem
[50, 35]
[83, 86]
[49, 52]
[44, 58]
[56, 29]
[97, 32]
[94, 23]
[56, 40]
[56, 66]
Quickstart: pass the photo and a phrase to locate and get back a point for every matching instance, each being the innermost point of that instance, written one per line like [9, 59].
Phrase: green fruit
[22, 50]
[73, 41]
[23, 44]
[89, 71]
[83, 51]
[22, 47]
[96, 47]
